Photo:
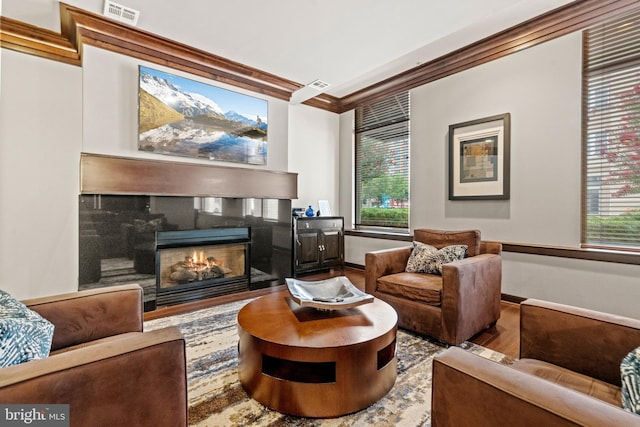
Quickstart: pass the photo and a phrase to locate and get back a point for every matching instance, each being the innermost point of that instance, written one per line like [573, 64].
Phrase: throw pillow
[630, 375]
[24, 334]
[427, 259]
[421, 255]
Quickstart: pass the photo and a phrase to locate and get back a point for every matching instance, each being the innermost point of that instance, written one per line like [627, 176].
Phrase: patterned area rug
[216, 397]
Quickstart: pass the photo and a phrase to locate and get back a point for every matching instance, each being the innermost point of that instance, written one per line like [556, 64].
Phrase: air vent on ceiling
[120, 13]
[318, 85]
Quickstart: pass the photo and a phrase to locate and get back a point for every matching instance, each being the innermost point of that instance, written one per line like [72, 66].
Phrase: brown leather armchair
[450, 308]
[102, 364]
[568, 374]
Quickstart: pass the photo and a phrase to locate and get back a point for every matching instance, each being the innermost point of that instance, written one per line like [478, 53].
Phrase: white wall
[314, 155]
[46, 13]
[541, 88]
[51, 112]
[110, 110]
[604, 286]
[40, 140]
[345, 169]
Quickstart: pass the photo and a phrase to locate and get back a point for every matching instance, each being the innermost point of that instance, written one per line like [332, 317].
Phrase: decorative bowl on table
[331, 294]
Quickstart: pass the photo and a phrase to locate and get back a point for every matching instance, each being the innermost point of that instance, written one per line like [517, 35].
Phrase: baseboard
[511, 298]
[352, 265]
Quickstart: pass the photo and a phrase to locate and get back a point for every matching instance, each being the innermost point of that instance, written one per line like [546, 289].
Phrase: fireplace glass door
[206, 263]
[193, 264]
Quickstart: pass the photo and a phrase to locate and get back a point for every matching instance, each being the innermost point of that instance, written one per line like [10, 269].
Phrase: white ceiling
[349, 44]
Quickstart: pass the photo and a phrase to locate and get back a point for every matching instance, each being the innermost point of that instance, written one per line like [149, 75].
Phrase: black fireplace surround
[195, 264]
[125, 202]
[118, 236]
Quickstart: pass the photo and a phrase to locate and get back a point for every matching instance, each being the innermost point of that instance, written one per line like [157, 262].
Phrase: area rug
[216, 397]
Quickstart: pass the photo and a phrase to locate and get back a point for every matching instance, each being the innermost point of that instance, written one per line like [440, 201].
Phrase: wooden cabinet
[318, 243]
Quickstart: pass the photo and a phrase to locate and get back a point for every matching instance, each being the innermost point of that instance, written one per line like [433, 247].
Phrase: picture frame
[479, 159]
[183, 117]
[324, 207]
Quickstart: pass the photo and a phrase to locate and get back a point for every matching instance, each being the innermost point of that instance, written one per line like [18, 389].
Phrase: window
[210, 205]
[382, 163]
[611, 134]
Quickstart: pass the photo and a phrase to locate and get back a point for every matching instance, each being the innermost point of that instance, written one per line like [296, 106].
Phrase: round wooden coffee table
[313, 363]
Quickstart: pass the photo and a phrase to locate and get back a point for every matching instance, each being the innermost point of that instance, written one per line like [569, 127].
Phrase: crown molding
[556, 23]
[26, 38]
[81, 27]
[325, 102]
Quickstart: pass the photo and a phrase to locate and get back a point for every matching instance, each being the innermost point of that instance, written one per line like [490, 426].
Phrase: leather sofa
[102, 364]
[568, 373]
[450, 308]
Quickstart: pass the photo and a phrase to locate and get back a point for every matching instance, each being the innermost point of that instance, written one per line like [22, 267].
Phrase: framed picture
[184, 117]
[324, 207]
[479, 152]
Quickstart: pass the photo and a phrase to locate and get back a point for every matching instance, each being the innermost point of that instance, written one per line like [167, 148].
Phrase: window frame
[600, 105]
[390, 123]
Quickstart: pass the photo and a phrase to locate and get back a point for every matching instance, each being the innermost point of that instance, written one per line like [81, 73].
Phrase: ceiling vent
[120, 13]
[318, 85]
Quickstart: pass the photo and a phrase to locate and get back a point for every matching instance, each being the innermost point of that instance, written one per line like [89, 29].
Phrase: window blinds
[382, 163]
[611, 129]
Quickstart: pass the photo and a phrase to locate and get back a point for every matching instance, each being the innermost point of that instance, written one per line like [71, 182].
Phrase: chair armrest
[383, 262]
[137, 380]
[470, 390]
[89, 315]
[582, 340]
[471, 292]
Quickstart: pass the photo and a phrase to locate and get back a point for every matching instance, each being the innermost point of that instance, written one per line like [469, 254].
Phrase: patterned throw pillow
[24, 334]
[630, 375]
[427, 259]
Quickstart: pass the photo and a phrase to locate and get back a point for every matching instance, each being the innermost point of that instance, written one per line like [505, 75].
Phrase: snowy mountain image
[187, 118]
[257, 122]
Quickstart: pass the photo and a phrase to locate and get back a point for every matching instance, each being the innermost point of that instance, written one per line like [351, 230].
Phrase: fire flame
[197, 265]
[199, 261]
[198, 258]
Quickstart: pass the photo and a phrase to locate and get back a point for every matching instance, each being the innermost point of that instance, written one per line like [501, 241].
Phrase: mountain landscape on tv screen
[175, 121]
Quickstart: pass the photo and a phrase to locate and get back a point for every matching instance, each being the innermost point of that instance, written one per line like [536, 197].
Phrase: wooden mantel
[102, 174]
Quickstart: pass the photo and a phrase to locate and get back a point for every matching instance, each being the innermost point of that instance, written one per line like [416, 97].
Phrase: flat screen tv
[184, 117]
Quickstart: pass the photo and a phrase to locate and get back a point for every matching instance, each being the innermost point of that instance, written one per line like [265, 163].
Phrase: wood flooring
[504, 337]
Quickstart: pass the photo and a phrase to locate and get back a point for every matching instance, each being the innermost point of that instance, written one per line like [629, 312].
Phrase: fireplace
[196, 264]
[125, 202]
